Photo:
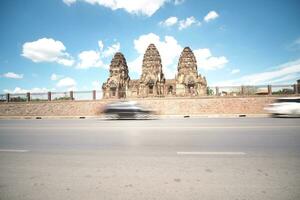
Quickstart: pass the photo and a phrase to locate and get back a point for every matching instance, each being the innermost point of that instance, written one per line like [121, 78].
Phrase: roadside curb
[217, 116]
[159, 116]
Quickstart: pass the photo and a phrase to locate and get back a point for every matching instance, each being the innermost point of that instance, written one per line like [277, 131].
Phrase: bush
[62, 98]
[18, 99]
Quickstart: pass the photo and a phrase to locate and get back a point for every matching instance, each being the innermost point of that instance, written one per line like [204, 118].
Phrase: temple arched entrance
[170, 89]
[122, 92]
[150, 87]
[191, 89]
[191, 86]
[113, 89]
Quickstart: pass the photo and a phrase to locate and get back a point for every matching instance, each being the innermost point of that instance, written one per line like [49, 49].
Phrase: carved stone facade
[118, 81]
[152, 82]
[152, 79]
[188, 82]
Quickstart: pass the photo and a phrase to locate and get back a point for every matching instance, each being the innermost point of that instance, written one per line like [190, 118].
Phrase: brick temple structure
[152, 82]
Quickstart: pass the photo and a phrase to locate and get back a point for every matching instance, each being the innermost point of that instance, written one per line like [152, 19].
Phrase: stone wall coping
[154, 98]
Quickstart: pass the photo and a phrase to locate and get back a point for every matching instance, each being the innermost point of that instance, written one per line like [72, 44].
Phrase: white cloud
[295, 45]
[283, 73]
[211, 16]
[287, 78]
[96, 85]
[235, 71]
[188, 22]
[168, 48]
[20, 90]
[169, 22]
[140, 7]
[100, 45]
[66, 62]
[13, 75]
[47, 50]
[202, 54]
[136, 65]
[170, 51]
[114, 48]
[213, 63]
[89, 59]
[94, 58]
[55, 77]
[178, 2]
[69, 2]
[206, 61]
[66, 82]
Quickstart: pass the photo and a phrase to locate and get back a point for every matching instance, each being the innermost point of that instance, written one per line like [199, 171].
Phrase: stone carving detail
[117, 83]
[188, 82]
[152, 82]
[152, 78]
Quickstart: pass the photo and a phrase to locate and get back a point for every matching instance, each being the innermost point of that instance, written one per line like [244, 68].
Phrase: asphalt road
[207, 158]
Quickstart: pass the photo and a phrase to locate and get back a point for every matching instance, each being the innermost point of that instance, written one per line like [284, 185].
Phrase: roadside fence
[254, 90]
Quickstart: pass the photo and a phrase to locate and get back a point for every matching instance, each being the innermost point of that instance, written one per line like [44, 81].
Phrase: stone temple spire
[117, 83]
[152, 74]
[152, 62]
[118, 66]
[187, 62]
[188, 81]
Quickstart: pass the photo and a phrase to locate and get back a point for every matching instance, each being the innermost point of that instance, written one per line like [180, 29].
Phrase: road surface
[206, 158]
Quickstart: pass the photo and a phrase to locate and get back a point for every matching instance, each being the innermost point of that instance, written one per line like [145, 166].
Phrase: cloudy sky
[68, 44]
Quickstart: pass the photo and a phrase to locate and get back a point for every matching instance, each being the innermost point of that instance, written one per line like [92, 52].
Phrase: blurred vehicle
[289, 107]
[126, 110]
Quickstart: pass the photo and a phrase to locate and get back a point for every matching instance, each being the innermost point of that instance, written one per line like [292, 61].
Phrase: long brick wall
[165, 106]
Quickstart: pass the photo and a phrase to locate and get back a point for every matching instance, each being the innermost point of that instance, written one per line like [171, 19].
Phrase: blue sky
[60, 45]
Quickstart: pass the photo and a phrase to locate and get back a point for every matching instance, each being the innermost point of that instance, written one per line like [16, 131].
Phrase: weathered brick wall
[168, 106]
[62, 108]
[221, 105]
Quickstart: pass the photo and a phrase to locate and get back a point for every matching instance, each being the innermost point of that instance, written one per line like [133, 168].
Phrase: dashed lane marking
[14, 150]
[209, 153]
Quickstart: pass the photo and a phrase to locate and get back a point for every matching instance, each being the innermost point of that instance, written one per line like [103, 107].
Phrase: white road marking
[14, 150]
[209, 153]
[148, 127]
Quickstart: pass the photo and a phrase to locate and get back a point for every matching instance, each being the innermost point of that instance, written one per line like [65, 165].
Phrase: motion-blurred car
[289, 107]
[126, 110]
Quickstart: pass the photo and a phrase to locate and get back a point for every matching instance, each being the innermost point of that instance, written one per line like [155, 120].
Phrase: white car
[126, 110]
[289, 107]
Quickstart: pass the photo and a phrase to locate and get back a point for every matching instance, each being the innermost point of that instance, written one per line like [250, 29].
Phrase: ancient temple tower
[152, 79]
[152, 82]
[118, 81]
[188, 82]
